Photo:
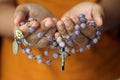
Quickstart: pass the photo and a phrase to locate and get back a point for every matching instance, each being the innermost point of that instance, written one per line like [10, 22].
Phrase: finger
[98, 15]
[45, 41]
[69, 25]
[41, 31]
[75, 19]
[29, 27]
[20, 14]
[61, 29]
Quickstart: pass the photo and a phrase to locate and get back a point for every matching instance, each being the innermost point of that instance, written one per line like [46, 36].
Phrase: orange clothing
[99, 63]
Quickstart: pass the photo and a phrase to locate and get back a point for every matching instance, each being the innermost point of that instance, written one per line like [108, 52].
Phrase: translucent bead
[93, 24]
[62, 44]
[38, 57]
[59, 39]
[40, 61]
[49, 38]
[19, 42]
[73, 36]
[39, 35]
[23, 51]
[98, 33]
[68, 37]
[31, 29]
[88, 46]
[28, 50]
[81, 49]
[73, 50]
[30, 56]
[55, 55]
[82, 15]
[67, 49]
[83, 25]
[95, 40]
[77, 27]
[48, 61]
[77, 32]
[54, 44]
[83, 20]
[46, 52]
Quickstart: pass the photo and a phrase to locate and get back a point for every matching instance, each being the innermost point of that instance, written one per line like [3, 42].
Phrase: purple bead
[67, 49]
[48, 61]
[77, 27]
[55, 55]
[81, 49]
[31, 29]
[73, 36]
[30, 56]
[62, 44]
[95, 40]
[49, 38]
[68, 37]
[40, 61]
[88, 46]
[54, 44]
[39, 35]
[38, 57]
[77, 32]
[93, 24]
[46, 53]
[19, 42]
[83, 25]
[23, 50]
[73, 50]
[83, 20]
[28, 50]
[59, 39]
[82, 15]
[98, 33]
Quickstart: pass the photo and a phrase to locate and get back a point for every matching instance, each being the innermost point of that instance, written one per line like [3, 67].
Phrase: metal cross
[63, 54]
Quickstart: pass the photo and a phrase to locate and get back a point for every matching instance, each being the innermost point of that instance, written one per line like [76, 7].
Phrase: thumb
[97, 14]
[20, 14]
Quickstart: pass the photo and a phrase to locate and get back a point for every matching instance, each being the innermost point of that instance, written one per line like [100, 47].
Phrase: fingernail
[66, 22]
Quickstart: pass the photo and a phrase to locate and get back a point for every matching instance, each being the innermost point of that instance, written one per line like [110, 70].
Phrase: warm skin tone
[92, 11]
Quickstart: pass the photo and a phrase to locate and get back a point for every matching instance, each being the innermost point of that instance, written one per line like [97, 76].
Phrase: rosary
[58, 43]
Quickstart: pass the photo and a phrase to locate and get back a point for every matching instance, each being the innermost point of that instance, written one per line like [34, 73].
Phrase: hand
[37, 31]
[66, 25]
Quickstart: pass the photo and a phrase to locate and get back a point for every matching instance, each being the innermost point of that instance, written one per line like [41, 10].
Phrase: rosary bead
[39, 35]
[28, 50]
[23, 50]
[59, 39]
[83, 25]
[83, 20]
[73, 50]
[81, 49]
[55, 55]
[77, 32]
[98, 33]
[40, 61]
[73, 36]
[30, 56]
[68, 37]
[82, 15]
[77, 27]
[95, 40]
[67, 49]
[54, 44]
[48, 61]
[62, 44]
[49, 38]
[19, 42]
[88, 46]
[93, 24]
[31, 29]
[38, 57]
[46, 52]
